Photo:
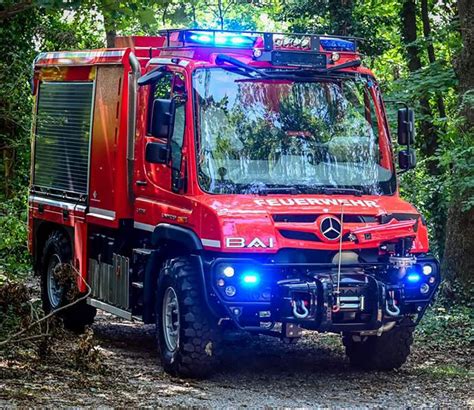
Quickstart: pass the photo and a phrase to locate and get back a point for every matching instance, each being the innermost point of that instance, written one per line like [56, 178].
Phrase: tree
[409, 35]
[458, 265]
[431, 52]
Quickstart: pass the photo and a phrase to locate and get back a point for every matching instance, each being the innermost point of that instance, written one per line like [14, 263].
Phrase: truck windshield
[312, 135]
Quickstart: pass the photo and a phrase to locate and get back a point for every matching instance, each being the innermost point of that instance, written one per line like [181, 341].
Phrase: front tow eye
[299, 309]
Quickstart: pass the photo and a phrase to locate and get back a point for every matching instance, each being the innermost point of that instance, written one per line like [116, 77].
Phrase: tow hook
[300, 311]
[391, 308]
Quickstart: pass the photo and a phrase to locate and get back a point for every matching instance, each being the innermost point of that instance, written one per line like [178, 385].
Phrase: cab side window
[177, 139]
[160, 90]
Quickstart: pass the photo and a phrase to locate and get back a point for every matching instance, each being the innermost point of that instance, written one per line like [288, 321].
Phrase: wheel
[187, 334]
[386, 352]
[54, 293]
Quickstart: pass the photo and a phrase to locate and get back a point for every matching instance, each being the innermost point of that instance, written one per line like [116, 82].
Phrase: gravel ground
[257, 372]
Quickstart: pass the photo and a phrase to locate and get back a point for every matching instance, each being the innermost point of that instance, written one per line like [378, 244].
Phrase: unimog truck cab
[220, 183]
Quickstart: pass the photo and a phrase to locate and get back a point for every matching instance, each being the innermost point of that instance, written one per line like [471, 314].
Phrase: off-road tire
[196, 354]
[78, 316]
[386, 352]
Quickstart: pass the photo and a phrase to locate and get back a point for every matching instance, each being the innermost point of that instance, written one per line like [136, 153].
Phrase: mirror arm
[405, 105]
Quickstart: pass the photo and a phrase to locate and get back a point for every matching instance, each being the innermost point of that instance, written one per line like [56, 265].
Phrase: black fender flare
[172, 233]
[164, 234]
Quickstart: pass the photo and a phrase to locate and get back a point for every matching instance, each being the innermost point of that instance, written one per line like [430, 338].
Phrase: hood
[348, 204]
[272, 222]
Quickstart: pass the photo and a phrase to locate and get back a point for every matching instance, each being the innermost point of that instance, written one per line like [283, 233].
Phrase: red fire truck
[217, 183]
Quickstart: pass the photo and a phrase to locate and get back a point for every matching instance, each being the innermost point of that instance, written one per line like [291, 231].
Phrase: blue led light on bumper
[218, 39]
[250, 279]
[337, 44]
[413, 277]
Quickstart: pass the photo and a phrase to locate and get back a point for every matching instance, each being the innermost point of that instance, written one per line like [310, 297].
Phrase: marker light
[230, 291]
[250, 279]
[413, 277]
[228, 271]
[427, 269]
[425, 288]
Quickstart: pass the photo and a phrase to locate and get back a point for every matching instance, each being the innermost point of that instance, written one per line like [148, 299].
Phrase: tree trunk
[458, 264]
[341, 16]
[409, 36]
[431, 52]
[110, 29]
[429, 143]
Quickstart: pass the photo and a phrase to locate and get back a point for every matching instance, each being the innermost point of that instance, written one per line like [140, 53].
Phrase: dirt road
[259, 372]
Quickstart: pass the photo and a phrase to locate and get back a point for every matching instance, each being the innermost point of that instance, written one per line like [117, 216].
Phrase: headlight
[427, 269]
[228, 271]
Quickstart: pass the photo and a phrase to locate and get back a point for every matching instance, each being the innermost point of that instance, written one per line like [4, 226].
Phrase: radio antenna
[338, 287]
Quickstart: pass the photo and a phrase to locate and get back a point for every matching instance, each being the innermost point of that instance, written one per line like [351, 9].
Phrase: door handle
[141, 183]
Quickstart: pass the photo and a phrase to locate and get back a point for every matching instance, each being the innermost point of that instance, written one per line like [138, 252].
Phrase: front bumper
[363, 297]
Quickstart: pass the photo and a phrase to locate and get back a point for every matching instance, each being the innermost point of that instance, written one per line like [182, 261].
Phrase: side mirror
[157, 153]
[407, 159]
[162, 118]
[406, 126]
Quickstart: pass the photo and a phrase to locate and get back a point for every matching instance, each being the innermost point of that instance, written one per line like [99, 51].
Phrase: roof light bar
[337, 44]
[218, 38]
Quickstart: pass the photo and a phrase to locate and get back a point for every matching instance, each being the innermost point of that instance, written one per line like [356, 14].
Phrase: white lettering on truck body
[316, 201]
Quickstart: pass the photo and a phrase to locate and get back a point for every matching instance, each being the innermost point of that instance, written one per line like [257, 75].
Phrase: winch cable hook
[337, 306]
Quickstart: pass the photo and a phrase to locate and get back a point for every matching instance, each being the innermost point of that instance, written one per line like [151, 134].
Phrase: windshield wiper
[278, 190]
[349, 64]
[343, 191]
[222, 58]
[318, 189]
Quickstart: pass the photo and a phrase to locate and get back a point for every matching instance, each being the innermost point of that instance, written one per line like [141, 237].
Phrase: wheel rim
[55, 291]
[171, 321]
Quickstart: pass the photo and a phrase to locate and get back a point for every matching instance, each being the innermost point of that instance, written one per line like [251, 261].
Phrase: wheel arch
[41, 231]
[168, 241]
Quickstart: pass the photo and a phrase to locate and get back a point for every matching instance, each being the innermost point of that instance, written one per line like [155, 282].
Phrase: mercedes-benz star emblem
[330, 227]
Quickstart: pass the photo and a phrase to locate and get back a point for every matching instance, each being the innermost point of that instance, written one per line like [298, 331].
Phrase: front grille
[298, 235]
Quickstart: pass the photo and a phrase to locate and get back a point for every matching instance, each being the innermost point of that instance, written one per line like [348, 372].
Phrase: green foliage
[447, 327]
[14, 257]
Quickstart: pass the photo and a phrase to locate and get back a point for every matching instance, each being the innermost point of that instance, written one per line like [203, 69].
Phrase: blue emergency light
[218, 38]
[337, 44]
[250, 278]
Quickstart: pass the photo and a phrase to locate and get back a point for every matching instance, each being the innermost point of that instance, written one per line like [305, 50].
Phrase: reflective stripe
[102, 212]
[211, 243]
[157, 60]
[144, 227]
[60, 204]
[81, 57]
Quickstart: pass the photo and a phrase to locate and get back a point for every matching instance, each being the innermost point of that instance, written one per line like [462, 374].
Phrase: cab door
[161, 184]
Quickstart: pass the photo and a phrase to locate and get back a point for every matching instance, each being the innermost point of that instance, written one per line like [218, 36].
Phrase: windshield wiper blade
[349, 64]
[319, 189]
[222, 58]
[277, 190]
[342, 191]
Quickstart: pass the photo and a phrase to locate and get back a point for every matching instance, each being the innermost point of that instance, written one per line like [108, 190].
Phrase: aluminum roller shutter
[62, 137]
